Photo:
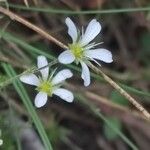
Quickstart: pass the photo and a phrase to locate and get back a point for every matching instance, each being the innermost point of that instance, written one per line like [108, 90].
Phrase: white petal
[100, 54]
[31, 79]
[64, 94]
[91, 32]
[41, 62]
[62, 76]
[72, 30]
[40, 99]
[85, 74]
[66, 57]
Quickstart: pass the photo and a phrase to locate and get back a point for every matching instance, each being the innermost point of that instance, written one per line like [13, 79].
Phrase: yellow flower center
[45, 86]
[77, 50]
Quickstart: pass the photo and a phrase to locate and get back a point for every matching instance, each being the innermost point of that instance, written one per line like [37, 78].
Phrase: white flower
[1, 142]
[48, 85]
[81, 50]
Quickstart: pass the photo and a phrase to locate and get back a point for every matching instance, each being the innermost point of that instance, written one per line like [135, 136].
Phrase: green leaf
[109, 133]
[3, 78]
[119, 99]
[145, 40]
[145, 53]
[6, 134]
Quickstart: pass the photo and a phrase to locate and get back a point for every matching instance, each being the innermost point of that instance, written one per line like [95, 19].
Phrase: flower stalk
[30, 70]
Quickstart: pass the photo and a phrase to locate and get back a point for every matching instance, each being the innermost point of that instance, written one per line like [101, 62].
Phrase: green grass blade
[133, 90]
[86, 12]
[27, 102]
[24, 45]
[109, 124]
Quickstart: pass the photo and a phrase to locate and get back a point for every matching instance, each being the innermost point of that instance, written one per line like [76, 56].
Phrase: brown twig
[103, 100]
[99, 99]
[32, 26]
[121, 91]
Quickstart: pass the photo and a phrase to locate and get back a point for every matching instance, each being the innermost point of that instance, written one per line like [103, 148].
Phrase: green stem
[70, 12]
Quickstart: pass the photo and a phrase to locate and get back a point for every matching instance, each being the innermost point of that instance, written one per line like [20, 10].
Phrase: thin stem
[79, 12]
[121, 91]
[31, 26]
[30, 70]
[102, 100]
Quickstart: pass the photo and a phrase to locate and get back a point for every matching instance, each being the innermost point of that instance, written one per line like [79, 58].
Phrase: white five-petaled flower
[48, 85]
[81, 50]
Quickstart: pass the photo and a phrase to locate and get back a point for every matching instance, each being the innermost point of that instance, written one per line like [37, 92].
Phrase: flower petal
[64, 94]
[41, 62]
[31, 79]
[85, 74]
[72, 30]
[66, 57]
[100, 54]
[40, 99]
[62, 76]
[91, 32]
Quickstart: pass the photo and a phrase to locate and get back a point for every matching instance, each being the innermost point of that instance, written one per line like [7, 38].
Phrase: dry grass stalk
[121, 91]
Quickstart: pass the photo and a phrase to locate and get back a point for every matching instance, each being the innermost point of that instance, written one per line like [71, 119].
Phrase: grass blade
[86, 12]
[27, 102]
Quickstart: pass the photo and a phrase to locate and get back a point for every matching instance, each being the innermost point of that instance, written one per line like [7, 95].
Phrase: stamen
[46, 87]
[77, 50]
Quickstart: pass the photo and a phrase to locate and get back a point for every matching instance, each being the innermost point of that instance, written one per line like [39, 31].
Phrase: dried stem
[102, 100]
[95, 69]
[121, 91]
[31, 26]
[109, 103]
